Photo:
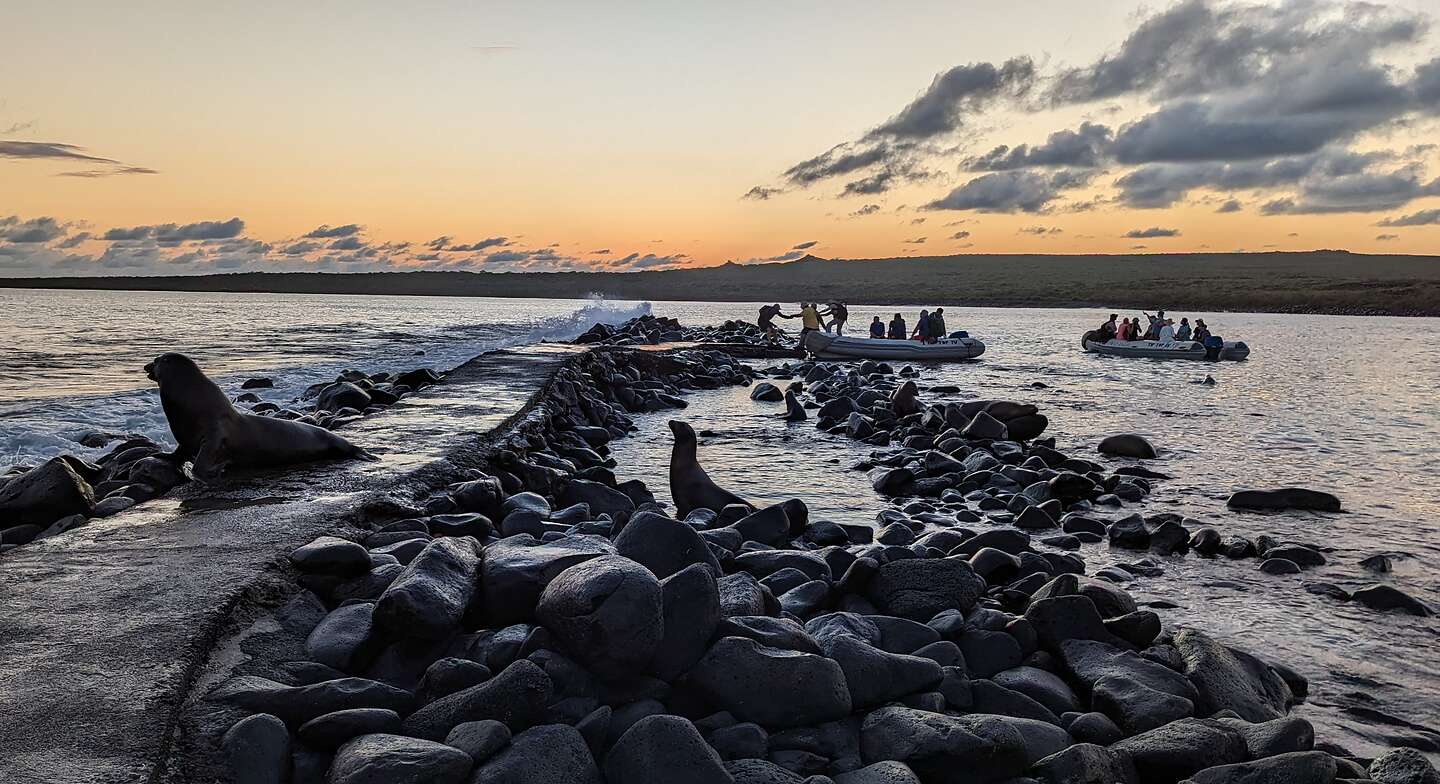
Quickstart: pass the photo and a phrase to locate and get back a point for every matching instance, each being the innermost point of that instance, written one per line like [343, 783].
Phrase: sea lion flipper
[209, 465]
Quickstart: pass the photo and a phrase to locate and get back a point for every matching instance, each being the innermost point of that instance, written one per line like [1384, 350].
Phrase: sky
[189, 138]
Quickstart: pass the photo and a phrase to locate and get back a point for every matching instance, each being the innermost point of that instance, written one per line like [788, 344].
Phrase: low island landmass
[1322, 281]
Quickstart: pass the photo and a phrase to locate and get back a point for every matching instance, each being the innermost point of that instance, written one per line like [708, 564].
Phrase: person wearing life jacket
[897, 328]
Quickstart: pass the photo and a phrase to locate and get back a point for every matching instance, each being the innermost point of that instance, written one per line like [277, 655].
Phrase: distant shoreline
[1315, 282]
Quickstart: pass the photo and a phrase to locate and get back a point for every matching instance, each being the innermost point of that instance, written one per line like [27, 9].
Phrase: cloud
[1010, 191]
[42, 150]
[1421, 218]
[868, 209]
[806, 245]
[1083, 147]
[1355, 192]
[1040, 231]
[600, 252]
[916, 241]
[1230, 205]
[959, 235]
[175, 232]
[15, 128]
[488, 242]
[326, 231]
[75, 240]
[37, 230]
[1152, 232]
[90, 174]
[1387, 237]
[943, 107]
[346, 243]
[762, 193]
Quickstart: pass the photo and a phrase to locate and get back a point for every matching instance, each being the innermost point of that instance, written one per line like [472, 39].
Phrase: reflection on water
[1336, 403]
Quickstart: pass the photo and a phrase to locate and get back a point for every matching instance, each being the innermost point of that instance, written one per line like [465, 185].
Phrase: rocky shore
[545, 620]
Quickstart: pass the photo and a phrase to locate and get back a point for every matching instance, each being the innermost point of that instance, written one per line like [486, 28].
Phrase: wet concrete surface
[104, 628]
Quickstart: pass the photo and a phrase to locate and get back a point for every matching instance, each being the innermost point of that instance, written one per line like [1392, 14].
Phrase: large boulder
[601, 498]
[345, 638]
[515, 570]
[296, 705]
[691, 601]
[874, 676]
[1085, 763]
[663, 749]
[770, 686]
[430, 598]
[952, 749]
[1182, 748]
[919, 588]
[547, 754]
[663, 545]
[607, 613]
[257, 749]
[1284, 498]
[397, 759]
[1403, 766]
[1310, 767]
[1127, 445]
[342, 394]
[516, 697]
[1230, 679]
[44, 494]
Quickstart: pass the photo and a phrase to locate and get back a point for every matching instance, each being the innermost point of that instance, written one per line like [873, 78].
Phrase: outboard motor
[1093, 334]
[1213, 345]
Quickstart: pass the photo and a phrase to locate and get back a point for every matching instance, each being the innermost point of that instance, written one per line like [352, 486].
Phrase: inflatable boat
[1169, 349]
[826, 346]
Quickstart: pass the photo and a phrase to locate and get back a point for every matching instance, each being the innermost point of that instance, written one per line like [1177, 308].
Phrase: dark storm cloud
[1011, 191]
[1082, 147]
[1163, 184]
[37, 230]
[326, 231]
[1152, 232]
[1421, 218]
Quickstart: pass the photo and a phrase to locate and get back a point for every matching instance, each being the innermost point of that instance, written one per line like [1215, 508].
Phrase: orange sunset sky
[186, 138]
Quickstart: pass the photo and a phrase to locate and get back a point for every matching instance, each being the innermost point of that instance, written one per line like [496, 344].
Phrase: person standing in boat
[810, 319]
[1183, 332]
[937, 325]
[877, 328]
[897, 328]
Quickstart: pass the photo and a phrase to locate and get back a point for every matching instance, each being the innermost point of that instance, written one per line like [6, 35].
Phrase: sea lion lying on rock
[690, 487]
[212, 434]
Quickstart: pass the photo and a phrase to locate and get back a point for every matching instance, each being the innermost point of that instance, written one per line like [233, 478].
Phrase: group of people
[1157, 327]
[813, 317]
[929, 328]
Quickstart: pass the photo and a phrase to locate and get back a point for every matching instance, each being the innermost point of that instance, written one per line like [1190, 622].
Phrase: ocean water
[1344, 404]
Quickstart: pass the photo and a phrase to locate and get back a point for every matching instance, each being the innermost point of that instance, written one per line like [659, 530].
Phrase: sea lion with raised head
[690, 487]
[794, 411]
[215, 437]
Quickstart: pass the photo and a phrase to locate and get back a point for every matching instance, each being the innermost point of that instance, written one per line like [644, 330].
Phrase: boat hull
[826, 346]
[1155, 349]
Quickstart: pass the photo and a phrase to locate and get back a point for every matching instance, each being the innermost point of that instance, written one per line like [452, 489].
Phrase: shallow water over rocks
[1354, 418]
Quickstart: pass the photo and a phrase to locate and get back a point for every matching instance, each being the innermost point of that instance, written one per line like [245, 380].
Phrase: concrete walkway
[103, 629]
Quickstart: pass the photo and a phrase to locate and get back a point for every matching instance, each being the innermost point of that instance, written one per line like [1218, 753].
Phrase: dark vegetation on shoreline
[1336, 282]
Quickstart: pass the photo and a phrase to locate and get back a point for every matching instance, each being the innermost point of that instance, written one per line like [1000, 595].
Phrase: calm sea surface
[1344, 404]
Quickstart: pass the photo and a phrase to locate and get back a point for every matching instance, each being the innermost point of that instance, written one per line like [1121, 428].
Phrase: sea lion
[904, 401]
[212, 434]
[794, 412]
[690, 487]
